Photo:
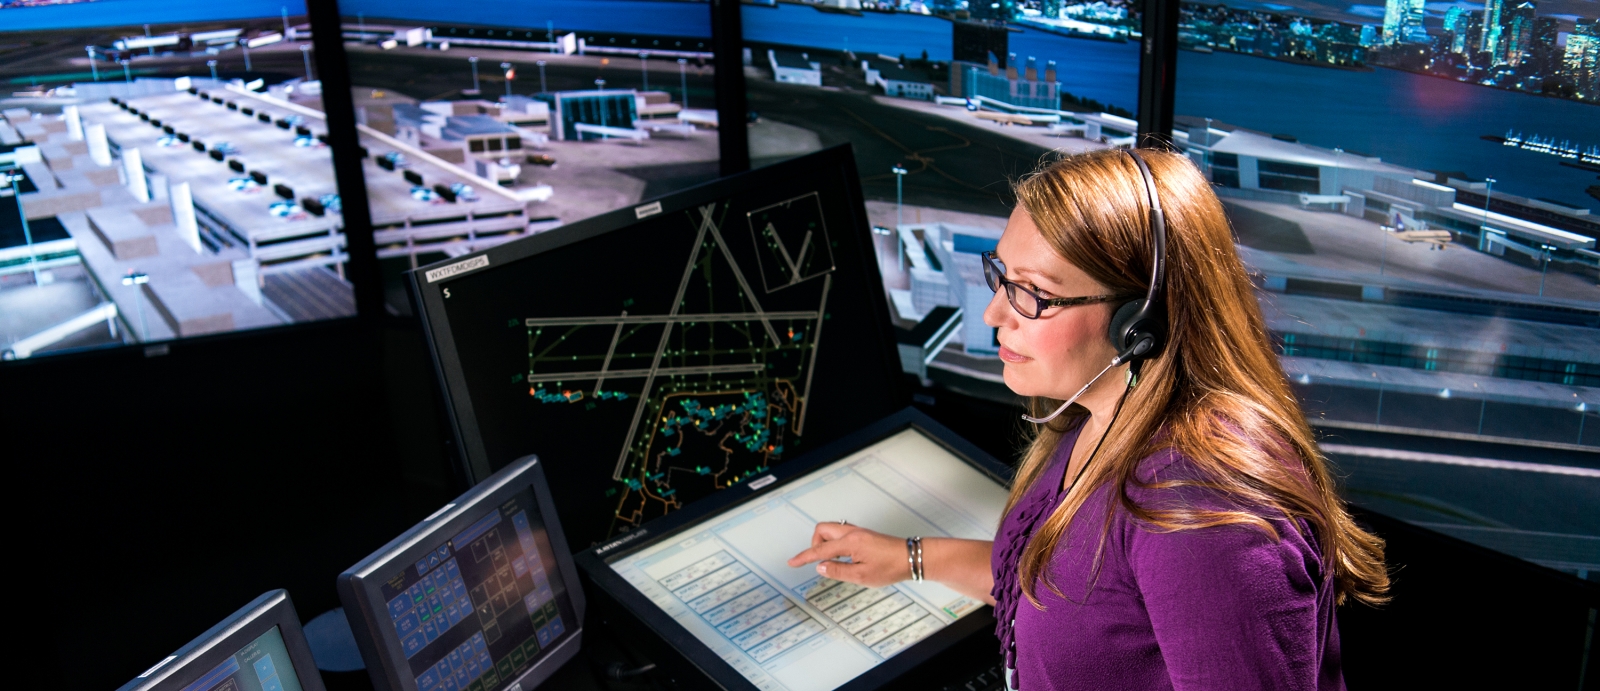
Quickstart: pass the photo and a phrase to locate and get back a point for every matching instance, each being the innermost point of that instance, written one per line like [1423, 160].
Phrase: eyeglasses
[1026, 302]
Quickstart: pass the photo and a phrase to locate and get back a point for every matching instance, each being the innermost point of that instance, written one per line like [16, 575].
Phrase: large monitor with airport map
[165, 174]
[489, 121]
[656, 354]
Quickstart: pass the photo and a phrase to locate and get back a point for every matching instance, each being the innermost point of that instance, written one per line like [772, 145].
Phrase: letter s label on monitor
[647, 210]
[457, 268]
[763, 482]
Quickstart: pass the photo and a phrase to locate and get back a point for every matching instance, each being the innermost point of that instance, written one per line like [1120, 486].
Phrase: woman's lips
[1012, 356]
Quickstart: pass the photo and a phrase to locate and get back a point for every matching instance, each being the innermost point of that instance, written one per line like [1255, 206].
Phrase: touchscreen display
[263, 665]
[483, 606]
[726, 579]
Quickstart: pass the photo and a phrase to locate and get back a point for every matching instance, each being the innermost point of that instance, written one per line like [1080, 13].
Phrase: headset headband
[1158, 231]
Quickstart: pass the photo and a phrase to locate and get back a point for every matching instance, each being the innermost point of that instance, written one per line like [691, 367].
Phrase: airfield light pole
[1544, 266]
[899, 214]
[285, 10]
[305, 52]
[1383, 253]
[550, 34]
[135, 278]
[1338, 155]
[27, 235]
[126, 75]
[94, 69]
[213, 65]
[510, 73]
[151, 47]
[1483, 230]
[245, 43]
[474, 61]
[600, 85]
[541, 65]
[644, 72]
[683, 80]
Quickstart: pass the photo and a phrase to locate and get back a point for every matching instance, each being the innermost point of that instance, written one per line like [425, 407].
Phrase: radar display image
[655, 355]
[715, 386]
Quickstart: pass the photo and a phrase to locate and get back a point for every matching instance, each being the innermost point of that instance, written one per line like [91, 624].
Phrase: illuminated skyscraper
[1402, 22]
[1582, 59]
[1517, 34]
[1489, 42]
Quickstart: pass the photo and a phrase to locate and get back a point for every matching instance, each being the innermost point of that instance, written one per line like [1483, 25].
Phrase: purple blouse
[1214, 608]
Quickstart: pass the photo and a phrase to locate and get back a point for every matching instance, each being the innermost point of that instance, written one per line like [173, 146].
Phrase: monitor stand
[333, 646]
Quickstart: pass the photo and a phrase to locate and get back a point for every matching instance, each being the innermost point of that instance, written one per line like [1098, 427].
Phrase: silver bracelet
[914, 555]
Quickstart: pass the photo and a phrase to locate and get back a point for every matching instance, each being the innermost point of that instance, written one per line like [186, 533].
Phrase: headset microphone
[1138, 326]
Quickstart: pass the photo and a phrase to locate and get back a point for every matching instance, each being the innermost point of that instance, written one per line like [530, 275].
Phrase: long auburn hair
[1215, 392]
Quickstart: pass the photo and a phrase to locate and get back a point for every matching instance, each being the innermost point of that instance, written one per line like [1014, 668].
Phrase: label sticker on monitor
[647, 210]
[458, 268]
[727, 582]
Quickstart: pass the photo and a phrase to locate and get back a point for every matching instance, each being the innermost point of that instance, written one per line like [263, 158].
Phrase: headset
[1138, 327]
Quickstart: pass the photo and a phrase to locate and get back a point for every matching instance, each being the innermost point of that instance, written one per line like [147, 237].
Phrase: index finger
[828, 549]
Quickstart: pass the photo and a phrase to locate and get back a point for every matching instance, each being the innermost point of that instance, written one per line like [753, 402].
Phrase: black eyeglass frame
[996, 278]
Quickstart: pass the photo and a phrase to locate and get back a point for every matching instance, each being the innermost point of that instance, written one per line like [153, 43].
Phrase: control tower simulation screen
[663, 352]
[727, 582]
[166, 174]
[491, 121]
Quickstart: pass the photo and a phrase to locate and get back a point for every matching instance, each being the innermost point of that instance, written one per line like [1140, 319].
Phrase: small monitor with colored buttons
[480, 596]
[258, 648]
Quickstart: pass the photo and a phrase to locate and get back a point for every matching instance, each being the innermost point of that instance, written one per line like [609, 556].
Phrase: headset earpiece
[1139, 327]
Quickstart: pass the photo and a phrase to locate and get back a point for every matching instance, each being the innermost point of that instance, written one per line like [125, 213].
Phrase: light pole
[644, 72]
[550, 34]
[899, 214]
[1383, 253]
[305, 52]
[27, 235]
[135, 278]
[683, 80]
[541, 65]
[94, 69]
[245, 43]
[473, 60]
[126, 75]
[1483, 231]
[1544, 267]
[1338, 155]
[510, 75]
[600, 85]
[213, 65]
[285, 10]
[151, 48]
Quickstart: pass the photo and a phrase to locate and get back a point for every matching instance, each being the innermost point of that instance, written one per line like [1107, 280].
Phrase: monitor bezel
[359, 586]
[199, 656]
[595, 562]
[429, 297]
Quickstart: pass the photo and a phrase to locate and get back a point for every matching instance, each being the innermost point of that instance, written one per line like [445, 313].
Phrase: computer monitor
[490, 121]
[258, 647]
[167, 175]
[713, 579]
[482, 595]
[656, 354]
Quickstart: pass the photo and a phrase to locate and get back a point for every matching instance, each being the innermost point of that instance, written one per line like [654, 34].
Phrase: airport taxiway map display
[714, 386]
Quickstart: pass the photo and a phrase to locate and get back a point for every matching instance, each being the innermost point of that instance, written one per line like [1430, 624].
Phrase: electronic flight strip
[727, 582]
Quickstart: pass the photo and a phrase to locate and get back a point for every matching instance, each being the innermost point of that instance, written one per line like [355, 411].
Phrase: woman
[1172, 524]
